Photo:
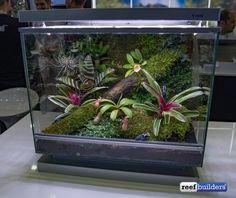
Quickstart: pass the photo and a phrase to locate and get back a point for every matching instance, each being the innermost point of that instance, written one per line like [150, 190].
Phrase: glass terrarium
[120, 88]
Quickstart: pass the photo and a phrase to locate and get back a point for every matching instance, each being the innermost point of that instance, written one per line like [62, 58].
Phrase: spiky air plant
[68, 64]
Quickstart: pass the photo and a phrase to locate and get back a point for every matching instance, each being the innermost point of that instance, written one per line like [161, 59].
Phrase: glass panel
[112, 3]
[115, 73]
[229, 4]
[195, 3]
[128, 90]
[151, 3]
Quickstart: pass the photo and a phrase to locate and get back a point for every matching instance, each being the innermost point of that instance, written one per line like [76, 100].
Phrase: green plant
[73, 122]
[120, 109]
[161, 63]
[116, 108]
[132, 66]
[92, 46]
[178, 78]
[165, 110]
[75, 91]
[138, 124]
[105, 128]
[71, 100]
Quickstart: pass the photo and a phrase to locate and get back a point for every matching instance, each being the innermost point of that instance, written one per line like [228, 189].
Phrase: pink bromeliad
[75, 100]
[167, 106]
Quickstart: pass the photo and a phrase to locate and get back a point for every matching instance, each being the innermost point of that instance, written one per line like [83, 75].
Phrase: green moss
[178, 78]
[161, 63]
[139, 124]
[149, 45]
[175, 127]
[73, 122]
[106, 128]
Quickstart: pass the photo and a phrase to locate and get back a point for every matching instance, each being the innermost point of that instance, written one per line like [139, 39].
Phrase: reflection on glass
[194, 3]
[150, 3]
[113, 3]
[229, 4]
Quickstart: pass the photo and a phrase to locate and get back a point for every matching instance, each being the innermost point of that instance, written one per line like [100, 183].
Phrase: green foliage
[73, 122]
[105, 129]
[116, 108]
[178, 78]
[158, 65]
[174, 128]
[173, 108]
[149, 44]
[90, 45]
[141, 95]
[135, 62]
[138, 124]
[71, 100]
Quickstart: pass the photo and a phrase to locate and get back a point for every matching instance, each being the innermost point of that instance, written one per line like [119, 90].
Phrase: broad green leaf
[74, 50]
[206, 88]
[128, 66]
[108, 101]
[191, 89]
[191, 113]
[69, 81]
[100, 78]
[87, 68]
[189, 96]
[129, 73]
[121, 95]
[130, 59]
[138, 54]
[105, 108]
[59, 100]
[156, 126]
[145, 107]
[92, 91]
[114, 114]
[151, 90]
[89, 101]
[144, 63]
[166, 118]
[107, 80]
[177, 115]
[69, 108]
[63, 115]
[152, 82]
[64, 89]
[126, 101]
[127, 112]
[134, 55]
[152, 105]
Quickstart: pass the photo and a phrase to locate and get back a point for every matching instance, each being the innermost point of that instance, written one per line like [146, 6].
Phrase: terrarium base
[131, 172]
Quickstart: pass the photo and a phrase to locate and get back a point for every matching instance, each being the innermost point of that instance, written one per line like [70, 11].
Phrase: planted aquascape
[136, 87]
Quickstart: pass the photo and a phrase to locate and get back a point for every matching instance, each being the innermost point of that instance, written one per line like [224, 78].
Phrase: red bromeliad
[165, 110]
[169, 106]
[75, 100]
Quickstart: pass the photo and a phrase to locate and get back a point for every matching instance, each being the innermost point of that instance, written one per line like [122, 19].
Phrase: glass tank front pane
[146, 88]
[121, 93]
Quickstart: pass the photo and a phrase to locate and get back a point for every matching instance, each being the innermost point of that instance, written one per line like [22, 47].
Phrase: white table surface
[14, 101]
[17, 179]
[222, 69]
